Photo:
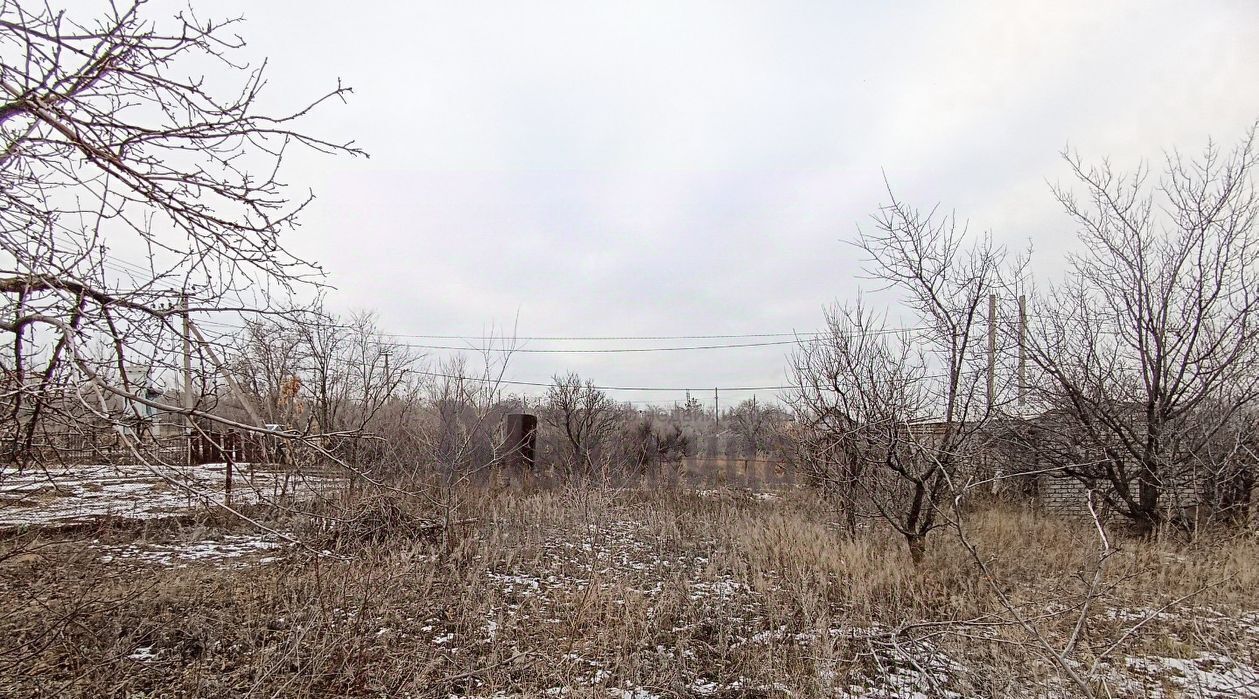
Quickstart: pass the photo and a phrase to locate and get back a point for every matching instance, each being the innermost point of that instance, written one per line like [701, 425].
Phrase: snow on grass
[512, 582]
[1139, 615]
[1206, 675]
[600, 676]
[178, 555]
[622, 558]
[143, 654]
[722, 588]
[76, 494]
[632, 693]
[703, 687]
[444, 638]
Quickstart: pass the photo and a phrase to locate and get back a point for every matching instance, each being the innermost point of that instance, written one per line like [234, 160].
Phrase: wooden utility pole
[246, 402]
[717, 409]
[188, 401]
[992, 350]
[1022, 350]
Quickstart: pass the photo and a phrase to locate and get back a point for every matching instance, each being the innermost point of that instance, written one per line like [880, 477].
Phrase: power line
[540, 384]
[602, 337]
[604, 350]
[799, 337]
[111, 262]
[564, 338]
[129, 268]
[796, 335]
[147, 276]
[675, 389]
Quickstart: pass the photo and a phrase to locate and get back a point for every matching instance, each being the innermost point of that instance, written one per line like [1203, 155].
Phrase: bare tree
[268, 358]
[648, 442]
[336, 375]
[354, 370]
[462, 413]
[1150, 348]
[895, 423]
[858, 392]
[585, 417]
[756, 424]
[107, 135]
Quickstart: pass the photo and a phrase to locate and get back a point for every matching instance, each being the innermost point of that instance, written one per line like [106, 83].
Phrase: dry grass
[593, 593]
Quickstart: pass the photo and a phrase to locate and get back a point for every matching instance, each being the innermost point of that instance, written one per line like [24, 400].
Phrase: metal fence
[102, 448]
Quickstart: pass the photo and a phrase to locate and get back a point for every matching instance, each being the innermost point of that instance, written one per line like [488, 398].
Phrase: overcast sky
[683, 168]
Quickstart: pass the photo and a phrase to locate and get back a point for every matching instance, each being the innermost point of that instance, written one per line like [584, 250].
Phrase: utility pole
[992, 350]
[717, 408]
[246, 402]
[188, 402]
[1022, 350]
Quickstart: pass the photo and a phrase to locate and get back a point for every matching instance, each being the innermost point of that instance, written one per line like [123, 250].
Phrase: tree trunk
[1146, 517]
[917, 548]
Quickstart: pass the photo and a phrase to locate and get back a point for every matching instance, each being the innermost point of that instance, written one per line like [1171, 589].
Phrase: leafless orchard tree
[463, 411]
[894, 422]
[1149, 350]
[268, 358]
[318, 373]
[356, 372]
[584, 417]
[459, 436]
[132, 192]
[647, 442]
[898, 422]
[856, 390]
[758, 425]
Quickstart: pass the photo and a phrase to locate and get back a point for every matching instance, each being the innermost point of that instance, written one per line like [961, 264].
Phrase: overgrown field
[588, 592]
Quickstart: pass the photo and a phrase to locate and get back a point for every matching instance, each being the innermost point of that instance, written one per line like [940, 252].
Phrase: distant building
[139, 418]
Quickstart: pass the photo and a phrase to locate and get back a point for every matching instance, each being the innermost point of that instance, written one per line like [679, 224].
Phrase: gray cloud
[693, 168]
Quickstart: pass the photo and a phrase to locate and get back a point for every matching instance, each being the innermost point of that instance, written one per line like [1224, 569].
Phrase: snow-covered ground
[896, 665]
[1206, 675]
[80, 493]
[222, 550]
[622, 563]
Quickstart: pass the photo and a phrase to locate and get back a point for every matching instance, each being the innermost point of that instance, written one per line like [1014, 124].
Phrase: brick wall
[1068, 496]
